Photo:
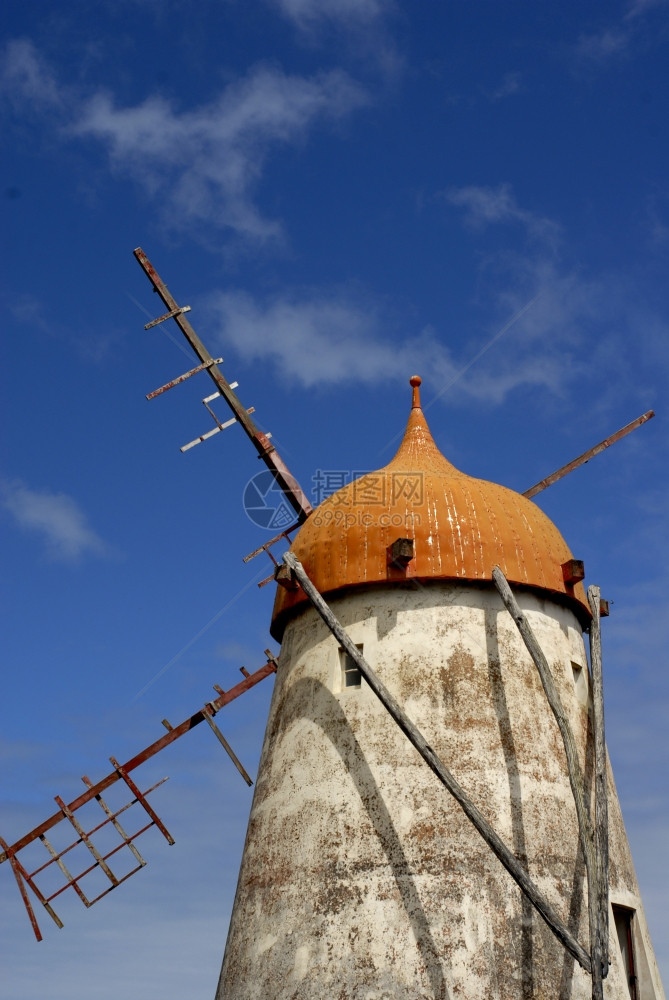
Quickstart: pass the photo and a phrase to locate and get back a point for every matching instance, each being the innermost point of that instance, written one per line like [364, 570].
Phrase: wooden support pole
[22, 889]
[495, 843]
[573, 766]
[209, 717]
[601, 799]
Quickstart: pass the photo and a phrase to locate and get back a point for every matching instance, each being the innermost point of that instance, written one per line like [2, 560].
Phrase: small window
[350, 672]
[580, 682]
[623, 920]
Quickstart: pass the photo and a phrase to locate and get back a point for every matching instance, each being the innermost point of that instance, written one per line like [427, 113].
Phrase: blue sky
[345, 192]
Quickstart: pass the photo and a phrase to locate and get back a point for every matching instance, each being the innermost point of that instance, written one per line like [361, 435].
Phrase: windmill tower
[452, 639]
[360, 877]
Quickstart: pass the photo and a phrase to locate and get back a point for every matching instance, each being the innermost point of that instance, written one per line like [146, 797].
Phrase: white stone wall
[361, 877]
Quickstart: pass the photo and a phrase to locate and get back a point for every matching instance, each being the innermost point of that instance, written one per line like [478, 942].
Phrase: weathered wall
[361, 877]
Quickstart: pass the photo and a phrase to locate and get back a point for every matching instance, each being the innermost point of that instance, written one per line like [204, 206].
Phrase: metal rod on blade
[587, 455]
[182, 378]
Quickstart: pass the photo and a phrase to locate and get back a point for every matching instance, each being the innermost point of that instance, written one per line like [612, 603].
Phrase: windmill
[451, 636]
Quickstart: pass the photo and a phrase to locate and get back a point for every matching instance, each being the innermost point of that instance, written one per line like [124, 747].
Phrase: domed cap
[461, 528]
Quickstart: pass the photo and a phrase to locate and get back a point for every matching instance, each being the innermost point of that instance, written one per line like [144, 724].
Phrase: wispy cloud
[208, 160]
[312, 339]
[57, 517]
[316, 337]
[510, 85]
[320, 339]
[235, 652]
[601, 45]
[567, 313]
[308, 13]
[28, 310]
[657, 214]
[486, 206]
[26, 80]
[92, 346]
[613, 40]
[638, 7]
[363, 24]
[203, 163]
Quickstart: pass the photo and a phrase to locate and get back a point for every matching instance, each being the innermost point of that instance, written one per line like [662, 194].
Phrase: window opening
[350, 672]
[580, 682]
[623, 921]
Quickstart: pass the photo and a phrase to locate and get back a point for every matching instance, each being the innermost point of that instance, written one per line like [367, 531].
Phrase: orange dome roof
[461, 528]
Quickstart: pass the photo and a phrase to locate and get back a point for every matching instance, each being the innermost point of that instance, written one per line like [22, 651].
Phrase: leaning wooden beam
[601, 800]
[495, 843]
[16, 868]
[587, 455]
[573, 766]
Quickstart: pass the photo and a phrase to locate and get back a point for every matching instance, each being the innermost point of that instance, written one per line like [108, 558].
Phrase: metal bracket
[265, 547]
[182, 378]
[179, 311]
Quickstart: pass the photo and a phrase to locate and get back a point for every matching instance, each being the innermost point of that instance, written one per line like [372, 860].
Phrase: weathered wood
[587, 455]
[209, 717]
[573, 766]
[174, 733]
[601, 796]
[266, 451]
[495, 843]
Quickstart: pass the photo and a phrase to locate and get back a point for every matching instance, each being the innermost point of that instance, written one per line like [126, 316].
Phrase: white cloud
[204, 162]
[602, 44]
[510, 85]
[57, 517]
[320, 339]
[93, 346]
[486, 205]
[27, 309]
[657, 213]
[25, 78]
[641, 6]
[208, 160]
[615, 39]
[363, 24]
[558, 343]
[235, 652]
[307, 13]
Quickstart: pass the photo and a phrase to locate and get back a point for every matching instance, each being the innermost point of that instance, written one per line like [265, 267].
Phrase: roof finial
[415, 381]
